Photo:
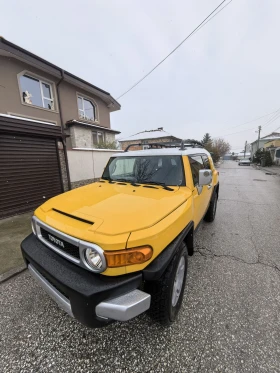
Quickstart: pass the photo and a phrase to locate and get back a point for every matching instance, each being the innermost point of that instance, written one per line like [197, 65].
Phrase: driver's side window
[196, 163]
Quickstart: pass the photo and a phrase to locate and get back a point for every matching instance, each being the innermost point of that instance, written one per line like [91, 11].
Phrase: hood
[114, 209]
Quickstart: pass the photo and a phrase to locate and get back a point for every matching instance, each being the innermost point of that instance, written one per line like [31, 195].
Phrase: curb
[13, 272]
[268, 171]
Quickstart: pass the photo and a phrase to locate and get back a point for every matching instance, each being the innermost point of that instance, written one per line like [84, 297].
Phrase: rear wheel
[167, 293]
[211, 212]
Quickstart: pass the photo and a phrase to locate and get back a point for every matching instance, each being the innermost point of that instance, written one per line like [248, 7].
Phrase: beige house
[259, 144]
[274, 148]
[141, 139]
[48, 117]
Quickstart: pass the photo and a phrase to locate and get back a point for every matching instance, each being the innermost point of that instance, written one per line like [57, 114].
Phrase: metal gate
[29, 172]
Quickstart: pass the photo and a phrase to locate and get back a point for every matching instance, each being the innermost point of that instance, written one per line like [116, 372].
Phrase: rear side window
[206, 162]
[197, 164]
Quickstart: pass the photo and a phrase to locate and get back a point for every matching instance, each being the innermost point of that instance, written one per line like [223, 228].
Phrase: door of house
[29, 172]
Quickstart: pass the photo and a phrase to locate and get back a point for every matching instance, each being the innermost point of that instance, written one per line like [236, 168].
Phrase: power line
[202, 24]
[272, 119]
[253, 120]
[213, 16]
[234, 133]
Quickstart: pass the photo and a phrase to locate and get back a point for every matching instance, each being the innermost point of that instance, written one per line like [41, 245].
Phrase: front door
[201, 194]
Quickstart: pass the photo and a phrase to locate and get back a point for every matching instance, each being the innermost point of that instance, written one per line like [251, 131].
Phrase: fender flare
[158, 266]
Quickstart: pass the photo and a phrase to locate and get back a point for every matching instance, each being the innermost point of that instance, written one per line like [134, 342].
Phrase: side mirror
[205, 177]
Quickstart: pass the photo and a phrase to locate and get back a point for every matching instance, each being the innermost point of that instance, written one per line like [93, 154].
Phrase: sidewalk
[12, 231]
[274, 170]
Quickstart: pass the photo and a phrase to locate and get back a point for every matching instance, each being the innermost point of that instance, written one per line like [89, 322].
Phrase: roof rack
[181, 145]
[151, 145]
[191, 143]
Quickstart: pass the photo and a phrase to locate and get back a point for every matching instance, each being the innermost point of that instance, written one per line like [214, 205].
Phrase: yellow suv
[119, 247]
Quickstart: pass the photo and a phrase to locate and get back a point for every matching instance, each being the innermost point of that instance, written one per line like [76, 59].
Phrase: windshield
[165, 169]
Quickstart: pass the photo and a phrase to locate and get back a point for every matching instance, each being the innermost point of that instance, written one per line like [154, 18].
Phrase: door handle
[209, 186]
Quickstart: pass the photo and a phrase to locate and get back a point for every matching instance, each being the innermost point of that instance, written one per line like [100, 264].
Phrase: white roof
[163, 151]
[145, 135]
[270, 137]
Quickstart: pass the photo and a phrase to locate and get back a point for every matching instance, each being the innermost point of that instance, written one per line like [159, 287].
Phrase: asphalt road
[229, 321]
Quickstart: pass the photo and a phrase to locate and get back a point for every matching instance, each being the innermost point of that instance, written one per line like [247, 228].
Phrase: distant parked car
[244, 162]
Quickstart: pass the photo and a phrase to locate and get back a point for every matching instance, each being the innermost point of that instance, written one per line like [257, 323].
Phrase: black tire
[162, 309]
[211, 212]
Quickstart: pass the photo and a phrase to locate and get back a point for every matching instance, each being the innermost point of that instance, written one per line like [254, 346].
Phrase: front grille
[60, 244]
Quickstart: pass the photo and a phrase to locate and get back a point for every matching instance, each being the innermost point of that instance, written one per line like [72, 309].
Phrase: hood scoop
[73, 217]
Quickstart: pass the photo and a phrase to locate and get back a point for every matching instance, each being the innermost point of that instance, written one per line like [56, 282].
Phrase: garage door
[29, 172]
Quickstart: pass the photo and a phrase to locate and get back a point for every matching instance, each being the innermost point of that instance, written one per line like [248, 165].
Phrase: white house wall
[87, 164]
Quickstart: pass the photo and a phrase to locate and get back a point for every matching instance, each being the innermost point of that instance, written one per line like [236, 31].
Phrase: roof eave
[77, 122]
[22, 54]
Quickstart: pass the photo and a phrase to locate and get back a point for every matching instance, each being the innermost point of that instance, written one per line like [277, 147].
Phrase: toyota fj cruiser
[119, 247]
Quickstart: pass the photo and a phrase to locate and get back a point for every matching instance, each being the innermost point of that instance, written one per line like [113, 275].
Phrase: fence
[88, 164]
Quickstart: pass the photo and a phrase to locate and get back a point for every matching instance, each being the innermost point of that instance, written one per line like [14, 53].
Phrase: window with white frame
[86, 109]
[36, 92]
[97, 137]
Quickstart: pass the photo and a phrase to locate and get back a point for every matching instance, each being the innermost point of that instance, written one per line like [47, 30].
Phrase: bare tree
[219, 148]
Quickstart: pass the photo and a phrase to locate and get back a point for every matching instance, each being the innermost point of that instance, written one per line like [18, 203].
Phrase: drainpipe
[62, 129]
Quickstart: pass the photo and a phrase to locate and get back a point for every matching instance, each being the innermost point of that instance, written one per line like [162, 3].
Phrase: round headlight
[93, 259]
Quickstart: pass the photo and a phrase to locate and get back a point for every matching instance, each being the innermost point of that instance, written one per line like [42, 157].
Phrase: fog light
[93, 258]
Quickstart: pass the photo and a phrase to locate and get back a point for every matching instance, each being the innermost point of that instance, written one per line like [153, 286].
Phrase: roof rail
[181, 145]
[191, 143]
[151, 144]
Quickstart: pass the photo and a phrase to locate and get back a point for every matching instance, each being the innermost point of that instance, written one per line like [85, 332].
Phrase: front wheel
[211, 212]
[167, 293]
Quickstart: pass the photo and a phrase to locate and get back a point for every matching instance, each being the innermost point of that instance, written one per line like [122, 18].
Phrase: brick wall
[62, 166]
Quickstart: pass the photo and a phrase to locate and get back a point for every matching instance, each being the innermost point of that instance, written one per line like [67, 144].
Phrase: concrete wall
[254, 146]
[81, 136]
[10, 97]
[88, 164]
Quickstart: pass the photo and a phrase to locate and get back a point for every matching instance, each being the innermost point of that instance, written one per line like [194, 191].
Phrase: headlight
[95, 259]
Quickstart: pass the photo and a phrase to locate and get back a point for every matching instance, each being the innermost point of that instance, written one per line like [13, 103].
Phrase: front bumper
[93, 299]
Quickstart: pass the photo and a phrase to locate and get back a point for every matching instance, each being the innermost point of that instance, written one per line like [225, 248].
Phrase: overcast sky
[226, 74]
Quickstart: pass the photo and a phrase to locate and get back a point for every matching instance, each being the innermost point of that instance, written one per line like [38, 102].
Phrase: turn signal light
[128, 257]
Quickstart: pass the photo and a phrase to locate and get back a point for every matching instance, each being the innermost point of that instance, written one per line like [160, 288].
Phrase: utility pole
[259, 131]
[245, 148]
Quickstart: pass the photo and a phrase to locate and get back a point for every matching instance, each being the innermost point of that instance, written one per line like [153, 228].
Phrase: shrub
[107, 145]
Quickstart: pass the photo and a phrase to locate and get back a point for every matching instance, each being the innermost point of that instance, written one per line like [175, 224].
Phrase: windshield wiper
[128, 182]
[108, 179]
[122, 180]
[158, 183]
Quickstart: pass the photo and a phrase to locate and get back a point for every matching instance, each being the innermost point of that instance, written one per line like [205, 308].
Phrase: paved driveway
[230, 316]
[12, 231]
